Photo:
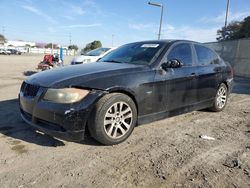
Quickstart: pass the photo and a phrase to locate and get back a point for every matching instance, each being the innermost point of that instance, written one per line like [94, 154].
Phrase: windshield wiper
[113, 61]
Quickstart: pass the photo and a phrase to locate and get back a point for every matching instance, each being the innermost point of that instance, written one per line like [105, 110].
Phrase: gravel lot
[167, 153]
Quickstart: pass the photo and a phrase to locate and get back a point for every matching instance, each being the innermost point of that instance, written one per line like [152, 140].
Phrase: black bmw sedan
[137, 83]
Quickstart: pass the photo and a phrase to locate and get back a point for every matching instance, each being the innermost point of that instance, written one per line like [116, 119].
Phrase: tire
[113, 119]
[220, 100]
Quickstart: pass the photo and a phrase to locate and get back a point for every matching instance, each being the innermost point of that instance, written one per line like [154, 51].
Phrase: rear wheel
[113, 119]
[221, 98]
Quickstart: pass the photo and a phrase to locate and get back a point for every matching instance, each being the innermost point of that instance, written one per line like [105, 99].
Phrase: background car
[91, 56]
[2, 52]
[135, 84]
[15, 52]
[5, 51]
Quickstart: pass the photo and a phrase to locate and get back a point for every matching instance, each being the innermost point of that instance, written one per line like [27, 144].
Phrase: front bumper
[65, 121]
[52, 130]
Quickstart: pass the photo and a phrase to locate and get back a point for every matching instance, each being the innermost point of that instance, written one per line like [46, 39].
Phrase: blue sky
[128, 20]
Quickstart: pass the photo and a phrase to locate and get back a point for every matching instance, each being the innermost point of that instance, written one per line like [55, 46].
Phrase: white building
[19, 43]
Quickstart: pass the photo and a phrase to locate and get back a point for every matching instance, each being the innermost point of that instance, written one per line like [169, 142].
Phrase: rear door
[208, 72]
[181, 87]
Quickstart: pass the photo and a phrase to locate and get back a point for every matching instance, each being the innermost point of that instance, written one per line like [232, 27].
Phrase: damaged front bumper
[65, 121]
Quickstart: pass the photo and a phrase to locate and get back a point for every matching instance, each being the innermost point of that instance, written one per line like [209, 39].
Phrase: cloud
[199, 33]
[27, 1]
[77, 9]
[90, 3]
[68, 17]
[178, 32]
[84, 7]
[140, 27]
[82, 25]
[145, 27]
[39, 13]
[51, 30]
[191, 33]
[232, 16]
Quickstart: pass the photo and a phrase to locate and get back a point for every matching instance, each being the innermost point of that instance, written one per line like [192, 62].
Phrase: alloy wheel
[118, 120]
[221, 97]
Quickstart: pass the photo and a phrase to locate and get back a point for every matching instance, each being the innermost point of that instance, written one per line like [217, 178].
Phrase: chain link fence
[236, 52]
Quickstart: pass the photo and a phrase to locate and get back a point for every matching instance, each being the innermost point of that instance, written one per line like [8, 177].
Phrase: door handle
[192, 75]
[218, 69]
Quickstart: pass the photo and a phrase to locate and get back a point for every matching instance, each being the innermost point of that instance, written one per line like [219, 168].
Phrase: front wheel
[113, 119]
[221, 98]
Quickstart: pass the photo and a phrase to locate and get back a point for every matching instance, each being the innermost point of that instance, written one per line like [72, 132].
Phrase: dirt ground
[167, 153]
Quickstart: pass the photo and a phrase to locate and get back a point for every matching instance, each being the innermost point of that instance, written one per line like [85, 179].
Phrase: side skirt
[162, 115]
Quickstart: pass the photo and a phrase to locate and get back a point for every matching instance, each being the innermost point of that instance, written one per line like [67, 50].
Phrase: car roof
[167, 41]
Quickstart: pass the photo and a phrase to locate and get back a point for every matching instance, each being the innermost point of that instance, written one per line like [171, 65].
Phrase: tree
[2, 39]
[49, 45]
[235, 30]
[73, 47]
[245, 28]
[230, 32]
[91, 46]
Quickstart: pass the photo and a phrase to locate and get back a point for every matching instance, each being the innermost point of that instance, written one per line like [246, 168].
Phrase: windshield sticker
[150, 45]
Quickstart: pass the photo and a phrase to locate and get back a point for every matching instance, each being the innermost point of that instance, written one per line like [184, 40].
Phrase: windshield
[135, 53]
[97, 52]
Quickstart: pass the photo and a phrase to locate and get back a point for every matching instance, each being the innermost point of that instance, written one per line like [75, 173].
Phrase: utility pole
[161, 6]
[52, 48]
[159, 36]
[227, 11]
[69, 38]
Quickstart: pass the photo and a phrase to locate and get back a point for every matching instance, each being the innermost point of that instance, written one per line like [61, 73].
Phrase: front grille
[29, 90]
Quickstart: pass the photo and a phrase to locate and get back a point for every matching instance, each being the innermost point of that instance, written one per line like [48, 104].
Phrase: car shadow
[12, 125]
[29, 73]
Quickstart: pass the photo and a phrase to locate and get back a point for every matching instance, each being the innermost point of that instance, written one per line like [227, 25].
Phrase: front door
[181, 82]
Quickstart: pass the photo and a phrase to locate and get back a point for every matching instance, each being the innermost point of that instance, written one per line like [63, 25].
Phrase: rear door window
[183, 53]
[205, 56]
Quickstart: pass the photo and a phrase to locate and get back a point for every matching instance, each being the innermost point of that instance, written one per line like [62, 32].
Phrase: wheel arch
[124, 91]
[226, 84]
[127, 92]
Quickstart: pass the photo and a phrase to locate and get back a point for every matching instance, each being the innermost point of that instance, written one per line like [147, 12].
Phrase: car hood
[81, 75]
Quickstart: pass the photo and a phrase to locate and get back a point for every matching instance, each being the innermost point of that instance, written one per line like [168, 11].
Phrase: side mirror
[174, 63]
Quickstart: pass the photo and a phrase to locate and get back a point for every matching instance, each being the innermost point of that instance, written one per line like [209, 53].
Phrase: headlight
[66, 95]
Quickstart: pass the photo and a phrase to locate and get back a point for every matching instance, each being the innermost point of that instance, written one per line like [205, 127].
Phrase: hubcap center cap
[118, 119]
